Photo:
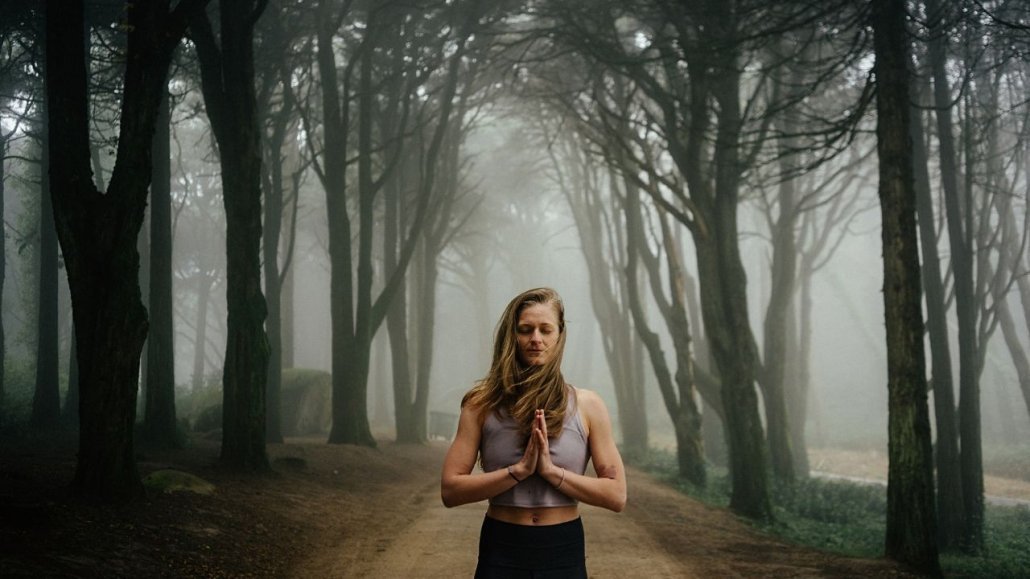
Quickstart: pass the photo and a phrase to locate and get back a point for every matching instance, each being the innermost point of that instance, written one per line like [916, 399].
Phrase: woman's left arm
[608, 488]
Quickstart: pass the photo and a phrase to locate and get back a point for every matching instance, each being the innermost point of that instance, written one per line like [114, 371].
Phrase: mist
[313, 244]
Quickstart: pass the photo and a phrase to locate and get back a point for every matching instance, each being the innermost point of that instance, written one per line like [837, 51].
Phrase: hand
[544, 466]
[527, 465]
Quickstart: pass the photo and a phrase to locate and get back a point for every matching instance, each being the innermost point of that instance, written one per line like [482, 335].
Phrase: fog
[541, 119]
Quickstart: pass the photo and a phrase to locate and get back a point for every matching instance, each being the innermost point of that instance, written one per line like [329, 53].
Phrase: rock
[171, 481]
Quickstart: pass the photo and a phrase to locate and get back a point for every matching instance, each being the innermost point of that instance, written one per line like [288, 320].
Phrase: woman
[533, 434]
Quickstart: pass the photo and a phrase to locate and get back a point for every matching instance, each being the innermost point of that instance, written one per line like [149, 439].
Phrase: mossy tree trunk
[911, 516]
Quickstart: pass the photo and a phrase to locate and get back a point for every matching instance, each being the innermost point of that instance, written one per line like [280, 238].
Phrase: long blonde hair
[521, 389]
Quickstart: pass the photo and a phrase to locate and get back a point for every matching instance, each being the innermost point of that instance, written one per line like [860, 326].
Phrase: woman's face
[537, 334]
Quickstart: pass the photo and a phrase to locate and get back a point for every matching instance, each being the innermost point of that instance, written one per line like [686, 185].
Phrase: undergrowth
[850, 519]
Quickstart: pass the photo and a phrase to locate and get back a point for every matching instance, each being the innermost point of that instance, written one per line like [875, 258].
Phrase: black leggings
[508, 551]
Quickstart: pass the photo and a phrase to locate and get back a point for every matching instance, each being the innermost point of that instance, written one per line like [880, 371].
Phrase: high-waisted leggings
[509, 551]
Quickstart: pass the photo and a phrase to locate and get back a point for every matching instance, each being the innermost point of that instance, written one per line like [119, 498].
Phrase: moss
[171, 481]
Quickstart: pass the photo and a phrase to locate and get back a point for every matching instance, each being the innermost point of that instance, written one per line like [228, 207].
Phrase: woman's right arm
[458, 486]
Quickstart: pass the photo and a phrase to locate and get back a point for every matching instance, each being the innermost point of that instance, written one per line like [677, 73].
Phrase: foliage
[1007, 536]
[662, 463]
[850, 518]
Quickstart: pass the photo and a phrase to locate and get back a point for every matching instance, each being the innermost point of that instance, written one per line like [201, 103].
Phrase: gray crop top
[501, 446]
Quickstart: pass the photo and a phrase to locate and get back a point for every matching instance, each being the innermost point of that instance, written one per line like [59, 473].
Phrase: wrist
[553, 474]
[519, 471]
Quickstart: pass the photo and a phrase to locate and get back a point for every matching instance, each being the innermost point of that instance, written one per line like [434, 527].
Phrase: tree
[692, 93]
[601, 226]
[227, 73]
[159, 423]
[911, 518]
[950, 506]
[356, 313]
[46, 402]
[279, 119]
[98, 232]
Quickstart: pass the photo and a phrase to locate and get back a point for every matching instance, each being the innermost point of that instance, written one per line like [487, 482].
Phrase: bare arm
[608, 488]
[458, 486]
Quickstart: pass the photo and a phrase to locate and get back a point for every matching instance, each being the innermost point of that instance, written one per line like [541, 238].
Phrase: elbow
[447, 498]
[619, 504]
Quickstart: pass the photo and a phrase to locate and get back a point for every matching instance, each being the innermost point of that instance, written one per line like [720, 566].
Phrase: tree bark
[159, 422]
[911, 517]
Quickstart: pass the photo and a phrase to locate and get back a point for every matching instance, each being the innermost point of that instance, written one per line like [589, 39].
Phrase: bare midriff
[533, 516]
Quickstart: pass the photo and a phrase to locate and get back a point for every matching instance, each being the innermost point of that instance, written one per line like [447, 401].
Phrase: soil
[345, 511]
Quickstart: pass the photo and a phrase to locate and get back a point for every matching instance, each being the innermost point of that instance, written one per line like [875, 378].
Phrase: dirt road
[406, 532]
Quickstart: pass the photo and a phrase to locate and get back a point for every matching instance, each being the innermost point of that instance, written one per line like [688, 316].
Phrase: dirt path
[342, 511]
[662, 534]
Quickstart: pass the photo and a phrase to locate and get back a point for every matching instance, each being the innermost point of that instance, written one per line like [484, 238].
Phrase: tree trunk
[98, 233]
[911, 517]
[611, 312]
[397, 315]
[3, 275]
[273, 280]
[950, 507]
[796, 393]
[959, 239]
[70, 413]
[679, 400]
[286, 317]
[46, 402]
[228, 86]
[426, 324]
[784, 266]
[204, 282]
[350, 395]
[723, 285]
[733, 350]
[159, 423]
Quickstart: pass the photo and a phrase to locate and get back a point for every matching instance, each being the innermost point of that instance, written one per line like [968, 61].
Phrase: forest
[254, 253]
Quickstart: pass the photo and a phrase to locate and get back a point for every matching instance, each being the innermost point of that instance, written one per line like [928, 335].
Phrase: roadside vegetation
[850, 518]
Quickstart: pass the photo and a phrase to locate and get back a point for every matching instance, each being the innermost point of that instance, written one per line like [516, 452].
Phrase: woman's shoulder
[586, 396]
[590, 403]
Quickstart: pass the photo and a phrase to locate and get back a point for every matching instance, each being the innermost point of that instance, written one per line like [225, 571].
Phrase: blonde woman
[533, 435]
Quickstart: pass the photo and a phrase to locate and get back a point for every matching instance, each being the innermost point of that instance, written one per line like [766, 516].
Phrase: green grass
[850, 518]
